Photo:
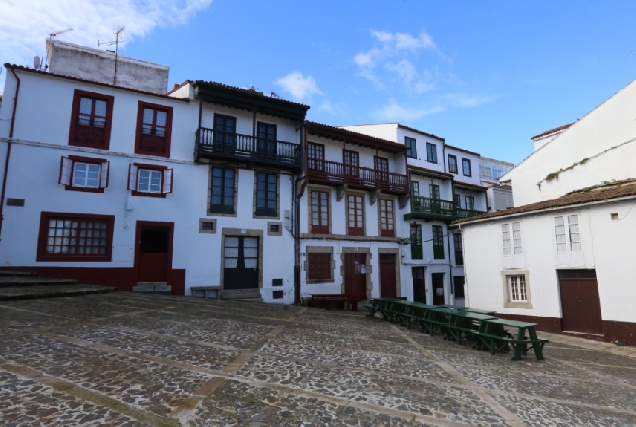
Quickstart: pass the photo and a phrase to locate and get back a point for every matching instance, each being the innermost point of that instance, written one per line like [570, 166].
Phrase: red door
[388, 288]
[356, 275]
[580, 305]
[153, 257]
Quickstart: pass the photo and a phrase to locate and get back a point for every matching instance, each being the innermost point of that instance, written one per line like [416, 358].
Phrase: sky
[486, 76]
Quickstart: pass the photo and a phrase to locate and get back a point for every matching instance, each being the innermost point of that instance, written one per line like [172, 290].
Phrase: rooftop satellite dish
[37, 62]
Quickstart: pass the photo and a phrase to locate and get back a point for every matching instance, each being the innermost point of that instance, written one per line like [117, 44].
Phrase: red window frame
[351, 161]
[166, 179]
[355, 215]
[80, 136]
[387, 217]
[43, 237]
[67, 171]
[316, 157]
[381, 168]
[319, 204]
[145, 140]
[319, 266]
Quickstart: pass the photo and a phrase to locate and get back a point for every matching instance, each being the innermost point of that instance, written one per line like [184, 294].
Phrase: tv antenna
[117, 31]
[55, 34]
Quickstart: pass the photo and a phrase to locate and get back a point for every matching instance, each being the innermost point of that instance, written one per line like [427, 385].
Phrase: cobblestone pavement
[122, 359]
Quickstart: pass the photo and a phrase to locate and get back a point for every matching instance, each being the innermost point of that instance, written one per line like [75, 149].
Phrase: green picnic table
[477, 310]
[381, 305]
[436, 318]
[462, 324]
[493, 336]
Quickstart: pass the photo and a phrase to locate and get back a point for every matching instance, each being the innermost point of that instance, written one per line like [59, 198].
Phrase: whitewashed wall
[608, 125]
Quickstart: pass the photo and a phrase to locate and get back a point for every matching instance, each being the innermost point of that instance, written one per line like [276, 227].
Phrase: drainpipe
[303, 142]
[9, 142]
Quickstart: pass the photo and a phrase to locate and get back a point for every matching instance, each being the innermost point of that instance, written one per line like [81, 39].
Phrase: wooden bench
[328, 299]
[493, 336]
[206, 290]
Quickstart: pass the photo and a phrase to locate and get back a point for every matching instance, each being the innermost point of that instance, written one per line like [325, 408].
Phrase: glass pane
[250, 242]
[231, 263]
[100, 108]
[558, 220]
[250, 252]
[561, 247]
[232, 242]
[576, 246]
[231, 252]
[86, 106]
[155, 181]
[573, 219]
[143, 182]
[251, 263]
[148, 116]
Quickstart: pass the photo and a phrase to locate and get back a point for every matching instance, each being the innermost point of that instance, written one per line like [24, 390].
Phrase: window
[154, 129]
[466, 167]
[222, 191]
[75, 237]
[415, 188]
[274, 229]
[458, 282]
[434, 190]
[225, 132]
[416, 241]
[438, 242]
[84, 174]
[458, 200]
[207, 225]
[470, 202]
[320, 212]
[266, 194]
[412, 147]
[316, 157]
[319, 266]
[149, 180]
[266, 145]
[351, 160]
[381, 169]
[91, 120]
[452, 163]
[457, 243]
[517, 290]
[355, 215]
[387, 223]
[516, 248]
[570, 235]
[431, 152]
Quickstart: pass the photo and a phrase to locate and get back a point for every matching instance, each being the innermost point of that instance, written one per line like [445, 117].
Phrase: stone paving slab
[159, 356]
[25, 402]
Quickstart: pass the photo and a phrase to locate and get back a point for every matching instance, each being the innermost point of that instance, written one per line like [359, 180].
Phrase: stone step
[243, 294]
[48, 291]
[16, 273]
[28, 280]
[153, 287]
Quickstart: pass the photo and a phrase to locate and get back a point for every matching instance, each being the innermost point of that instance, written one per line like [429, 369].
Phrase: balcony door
[382, 169]
[224, 133]
[351, 160]
[316, 157]
[266, 145]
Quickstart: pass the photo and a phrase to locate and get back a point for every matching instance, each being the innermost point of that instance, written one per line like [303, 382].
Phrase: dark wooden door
[438, 289]
[356, 275]
[240, 262]
[580, 305]
[419, 286]
[388, 287]
[153, 256]
[266, 139]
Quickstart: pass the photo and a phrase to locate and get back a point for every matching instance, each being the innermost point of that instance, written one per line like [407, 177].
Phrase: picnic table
[436, 318]
[493, 335]
[330, 298]
[382, 305]
[476, 310]
[463, 324]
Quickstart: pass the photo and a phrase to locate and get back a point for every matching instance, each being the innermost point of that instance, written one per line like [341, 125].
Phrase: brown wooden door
[580, 305]
[438, 289]
[419, 286]
[153, 256]
[388, 287]
[356, 275]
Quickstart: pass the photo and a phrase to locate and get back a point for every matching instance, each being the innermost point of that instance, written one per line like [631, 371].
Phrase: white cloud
[298, 86]
[462, 100]
[395, 112]
[415, 81]
[27, 23]
[331, 108]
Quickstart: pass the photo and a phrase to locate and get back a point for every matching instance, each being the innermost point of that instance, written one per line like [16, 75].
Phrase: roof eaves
[462, 149]
[430, 135]
[352, 136]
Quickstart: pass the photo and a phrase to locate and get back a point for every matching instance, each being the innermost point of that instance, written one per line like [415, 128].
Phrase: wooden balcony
[467, 213]
[428, 208]
[245, 148]
[328, 172]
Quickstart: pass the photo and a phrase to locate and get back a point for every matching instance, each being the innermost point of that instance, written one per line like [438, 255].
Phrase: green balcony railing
[467, 213]
[427, 205]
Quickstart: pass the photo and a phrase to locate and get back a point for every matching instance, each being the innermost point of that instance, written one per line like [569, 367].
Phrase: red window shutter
[105, 174]
[167, 181]
[66, 170]
[132, 177]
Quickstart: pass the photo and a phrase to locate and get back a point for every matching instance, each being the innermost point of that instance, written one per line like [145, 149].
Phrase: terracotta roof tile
[588, 195]
[462, 149]
[431, 171]
[334, 132]
[555, 130]
[466, 184]
[247, 91]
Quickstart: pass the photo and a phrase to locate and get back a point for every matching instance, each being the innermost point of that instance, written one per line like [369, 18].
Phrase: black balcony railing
[213, 143]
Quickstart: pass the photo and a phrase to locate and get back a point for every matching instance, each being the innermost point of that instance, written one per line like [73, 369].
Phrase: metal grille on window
[516, 235]
[505, 229]
[77, 237]
[559, 231]
[575, 236]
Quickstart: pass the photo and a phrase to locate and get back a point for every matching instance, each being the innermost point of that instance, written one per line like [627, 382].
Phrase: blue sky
[486, 75]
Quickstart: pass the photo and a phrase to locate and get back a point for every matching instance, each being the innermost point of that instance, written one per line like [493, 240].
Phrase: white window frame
[512, 245]
[165, 186]
[152, 176]
[85, 184]
[568, 241]
[68, 168]
[514, 283]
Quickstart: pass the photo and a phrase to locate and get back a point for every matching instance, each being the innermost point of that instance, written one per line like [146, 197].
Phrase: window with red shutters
[91, 120]
[154, 129]
[75, 237]
[387, 222]
[319, 266]
[320, 212]
[355, 215]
